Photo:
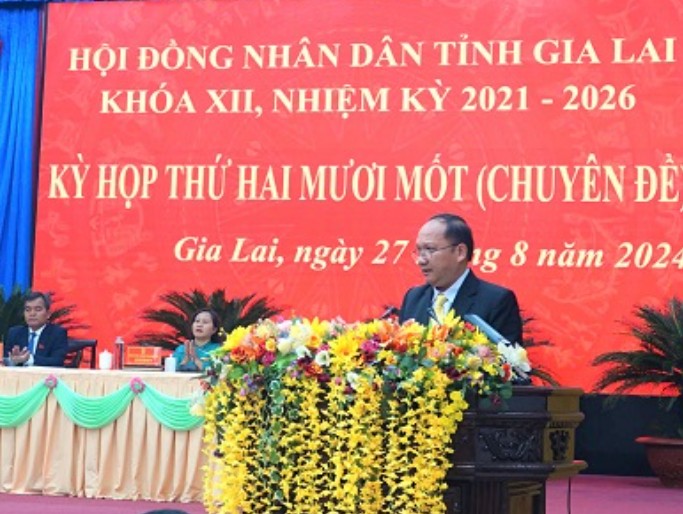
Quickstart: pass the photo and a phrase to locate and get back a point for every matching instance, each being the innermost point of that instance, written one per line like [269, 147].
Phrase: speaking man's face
[440, 260]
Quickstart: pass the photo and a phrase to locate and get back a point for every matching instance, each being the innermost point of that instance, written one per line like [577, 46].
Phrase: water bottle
[118, 344]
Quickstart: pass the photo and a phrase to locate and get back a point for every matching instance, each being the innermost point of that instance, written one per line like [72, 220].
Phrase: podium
[504, 455]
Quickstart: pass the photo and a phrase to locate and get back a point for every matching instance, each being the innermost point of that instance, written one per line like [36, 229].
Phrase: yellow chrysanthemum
[235, 338]
[344, 350]
[271, 345]
[319, 330]
[387, 357]
[339, 421]
[479, 338]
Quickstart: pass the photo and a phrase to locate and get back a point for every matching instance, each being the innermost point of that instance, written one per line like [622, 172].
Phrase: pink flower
[369, 346]
[51, 381]
[268, 358]
[483, 351]
[137, 385]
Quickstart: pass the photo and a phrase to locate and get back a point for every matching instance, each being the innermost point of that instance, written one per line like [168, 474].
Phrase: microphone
[509, 351]
[491, 333]
[432, 316]
[391, 311]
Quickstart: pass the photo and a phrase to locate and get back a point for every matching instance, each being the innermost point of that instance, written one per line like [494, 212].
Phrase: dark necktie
[32, 342]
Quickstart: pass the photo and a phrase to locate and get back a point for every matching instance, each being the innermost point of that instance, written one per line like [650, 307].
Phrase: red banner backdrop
[293, 149]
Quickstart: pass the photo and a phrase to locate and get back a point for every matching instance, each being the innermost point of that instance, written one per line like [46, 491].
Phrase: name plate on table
[142, 357]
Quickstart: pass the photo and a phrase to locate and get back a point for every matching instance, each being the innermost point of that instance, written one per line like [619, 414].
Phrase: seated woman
[194, 354]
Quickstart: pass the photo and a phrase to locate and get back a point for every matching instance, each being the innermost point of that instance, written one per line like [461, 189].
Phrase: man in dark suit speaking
[443, 251]
[39, 343]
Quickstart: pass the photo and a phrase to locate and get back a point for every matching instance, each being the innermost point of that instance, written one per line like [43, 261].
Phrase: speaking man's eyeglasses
[428, 252]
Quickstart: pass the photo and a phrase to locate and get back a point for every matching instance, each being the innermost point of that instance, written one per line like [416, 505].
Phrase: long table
[134, 457]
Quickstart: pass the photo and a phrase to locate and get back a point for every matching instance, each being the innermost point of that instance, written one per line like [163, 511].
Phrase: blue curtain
[20, 64]
[19, 57]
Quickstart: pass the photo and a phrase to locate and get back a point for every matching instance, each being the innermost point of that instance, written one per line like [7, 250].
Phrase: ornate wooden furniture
[505, 454]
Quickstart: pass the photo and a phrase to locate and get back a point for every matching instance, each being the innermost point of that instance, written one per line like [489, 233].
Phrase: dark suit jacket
[494, 304]
[50, 349]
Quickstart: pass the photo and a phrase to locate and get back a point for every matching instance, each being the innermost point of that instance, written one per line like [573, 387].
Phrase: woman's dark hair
[216, 323]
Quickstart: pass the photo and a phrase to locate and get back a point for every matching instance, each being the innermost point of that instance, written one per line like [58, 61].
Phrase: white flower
[197, 410]
[352, 378]
[197, 403]
[284, 326]
[285, 345]
[322, 358]
[295, 340]
[300, 333]
[302, 351]
[291, 345]
[516, 356]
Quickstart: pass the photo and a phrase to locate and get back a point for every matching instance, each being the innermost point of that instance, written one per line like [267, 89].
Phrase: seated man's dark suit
[51, 347]
[494, 304]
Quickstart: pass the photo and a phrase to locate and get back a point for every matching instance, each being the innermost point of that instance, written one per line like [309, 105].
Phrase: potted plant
[658, 361]
[12, 312]
[178, 307]
[539, 373]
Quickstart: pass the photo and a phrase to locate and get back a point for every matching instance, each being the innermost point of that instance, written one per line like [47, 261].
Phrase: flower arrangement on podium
[323, 416]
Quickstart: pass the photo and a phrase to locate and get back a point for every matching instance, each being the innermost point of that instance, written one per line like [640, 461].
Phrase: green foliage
[657, 361]
[12, 312]
[64, 316]
[175, 316]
